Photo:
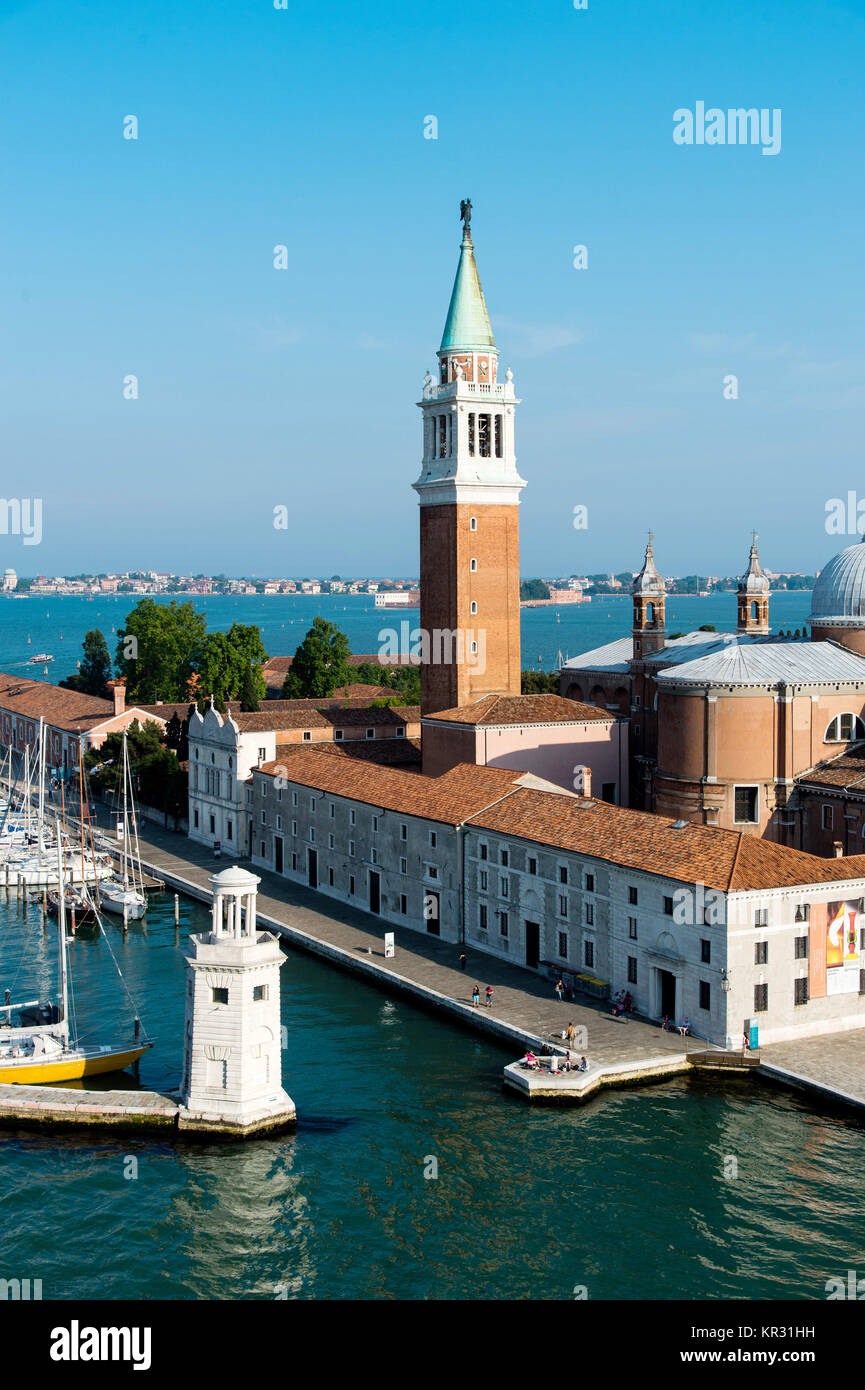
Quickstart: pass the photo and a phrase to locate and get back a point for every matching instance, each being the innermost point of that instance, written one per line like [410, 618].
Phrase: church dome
[838, 599]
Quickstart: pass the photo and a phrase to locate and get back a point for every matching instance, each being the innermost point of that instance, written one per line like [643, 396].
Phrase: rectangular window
[294, 798]
[432, 871]
[312, 803]
[403, 866]
[403, 831]
[632, 896]
[262, 754]
[471, 435]
[482, 917]
[563, 873]
[632, 970]
[800, 948]
[503, 923]
[351, 849]
[332, 811]
[373, 854]
[403, 904]
[504, 887]
[259, 993]
[483, 851]
[330, 877]
[505, 858]
[352, 817]
[803, 912]
[590, 954]
[311, 835]
[294, 827]
[590, 883]
[306, 735]
[533, 866]
[706, 952]
[563, 906]
[761, 998]
[370, 733]
[800, 991]
[632, 928]
[330, 842]
[294, 862]
[668, 907]
[433, 839]
[563, 945]
[827, 816]
[761, 917]
[264, 818]
[375, 824]
[705, 995]
[338, 735]
[746, 805]
[483, 880]
[195, 813]
[219, 996]
[230, 829]
[484, 436]
[761, 953]
[590, 914]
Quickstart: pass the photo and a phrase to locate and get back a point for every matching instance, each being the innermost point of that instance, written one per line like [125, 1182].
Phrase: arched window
[844, 728]
[754, 612]
[650, 612]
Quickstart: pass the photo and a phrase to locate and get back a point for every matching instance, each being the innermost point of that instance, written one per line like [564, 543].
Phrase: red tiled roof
[492, 799]
[845, 772]
[317, 718]
[63, 709]
[525, 709]
[449, 798]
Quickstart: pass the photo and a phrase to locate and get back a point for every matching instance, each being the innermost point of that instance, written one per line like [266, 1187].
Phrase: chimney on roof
[585, 781]
[118, 690]
[838, 848]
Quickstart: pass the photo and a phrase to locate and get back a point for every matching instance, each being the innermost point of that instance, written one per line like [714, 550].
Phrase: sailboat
[41, 1048]
[120, 894]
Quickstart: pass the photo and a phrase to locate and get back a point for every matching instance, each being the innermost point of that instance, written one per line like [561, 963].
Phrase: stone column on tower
[469, 491]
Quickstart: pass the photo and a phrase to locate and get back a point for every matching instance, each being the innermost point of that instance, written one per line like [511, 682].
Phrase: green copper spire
[468, 323]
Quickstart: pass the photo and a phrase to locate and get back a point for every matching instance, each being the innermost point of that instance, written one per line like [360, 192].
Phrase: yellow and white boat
[39, 1049]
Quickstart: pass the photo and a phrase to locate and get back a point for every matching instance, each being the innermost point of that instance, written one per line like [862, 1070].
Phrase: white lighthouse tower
[232, 1067]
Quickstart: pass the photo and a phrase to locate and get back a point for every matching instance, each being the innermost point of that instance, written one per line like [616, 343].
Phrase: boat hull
[68, 1068]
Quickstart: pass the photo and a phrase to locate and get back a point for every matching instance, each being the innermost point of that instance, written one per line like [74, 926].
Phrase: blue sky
[304, 127]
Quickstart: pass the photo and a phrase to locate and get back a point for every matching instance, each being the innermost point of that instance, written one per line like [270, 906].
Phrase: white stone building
[221, 758]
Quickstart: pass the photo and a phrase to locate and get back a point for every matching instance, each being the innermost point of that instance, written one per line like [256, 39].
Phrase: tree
[173, 733]
[94, 671]
[320, 663]
[404, 679]
[157, 778]
[539, 682]
[249, 696]
[534, 588]
[707, 627]
[159, 649]
[229, 661]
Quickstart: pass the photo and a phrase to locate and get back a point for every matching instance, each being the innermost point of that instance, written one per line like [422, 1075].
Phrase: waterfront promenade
[525, 1011]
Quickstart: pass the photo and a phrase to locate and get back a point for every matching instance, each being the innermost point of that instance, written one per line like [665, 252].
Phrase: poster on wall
[834, 949]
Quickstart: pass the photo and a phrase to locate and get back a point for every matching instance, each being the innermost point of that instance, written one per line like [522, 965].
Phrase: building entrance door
[277, 853]
[312, 867]
[431, 913]
[533, 944]
[668, 994]
[374, 891]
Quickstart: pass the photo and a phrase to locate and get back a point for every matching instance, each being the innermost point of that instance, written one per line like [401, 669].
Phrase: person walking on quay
[560, 988]
[476, 996]
[489, 996]
[462, 960]
[571, 1034]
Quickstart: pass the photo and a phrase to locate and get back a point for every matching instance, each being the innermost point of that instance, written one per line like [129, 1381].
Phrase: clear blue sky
[305, 127]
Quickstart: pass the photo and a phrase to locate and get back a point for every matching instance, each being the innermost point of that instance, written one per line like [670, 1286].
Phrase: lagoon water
[630, 1197]
[58, 625]
[627, 1197]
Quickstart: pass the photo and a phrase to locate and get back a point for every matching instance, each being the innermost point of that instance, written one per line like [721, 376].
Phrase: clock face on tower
[483, 369]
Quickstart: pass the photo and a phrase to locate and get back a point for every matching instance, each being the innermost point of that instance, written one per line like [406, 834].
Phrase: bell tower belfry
[469, 491]
[650, 596]
[752, 596]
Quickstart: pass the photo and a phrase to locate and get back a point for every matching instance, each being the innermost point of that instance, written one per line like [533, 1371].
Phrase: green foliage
[707, 627]
[320, 664]
[539, 682]
[231, 665]
[405, 679]
[157, 778]
[95, 671]
[168, 644]
[534, 588]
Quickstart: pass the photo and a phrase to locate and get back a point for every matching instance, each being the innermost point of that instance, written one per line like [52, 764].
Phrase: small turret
[752, 596]
[650, 595]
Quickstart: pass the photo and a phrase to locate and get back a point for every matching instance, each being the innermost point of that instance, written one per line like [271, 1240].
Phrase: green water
[627, 1197]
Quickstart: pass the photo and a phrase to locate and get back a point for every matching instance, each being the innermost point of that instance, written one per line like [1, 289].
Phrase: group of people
[669, 1026]
[564, 990]
[623, 1002]
[530, 1060]
[488, 996]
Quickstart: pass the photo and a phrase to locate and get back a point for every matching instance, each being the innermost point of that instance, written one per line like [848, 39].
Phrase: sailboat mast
[125, 812]
[41, 785]
[61, 927]
[81, 812]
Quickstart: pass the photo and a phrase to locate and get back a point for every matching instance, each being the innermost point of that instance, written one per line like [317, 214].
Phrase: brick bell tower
[649, 594]
[469, 491]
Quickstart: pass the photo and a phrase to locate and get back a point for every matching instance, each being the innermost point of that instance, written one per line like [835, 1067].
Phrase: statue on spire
[466, 215]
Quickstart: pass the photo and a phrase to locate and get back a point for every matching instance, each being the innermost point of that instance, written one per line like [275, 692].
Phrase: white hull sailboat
[124, 894]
